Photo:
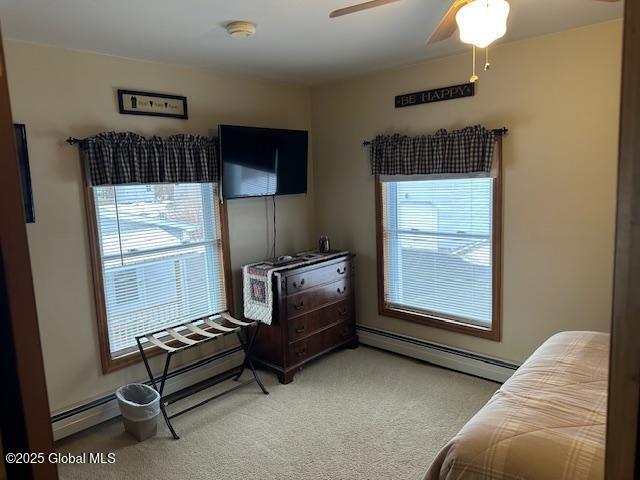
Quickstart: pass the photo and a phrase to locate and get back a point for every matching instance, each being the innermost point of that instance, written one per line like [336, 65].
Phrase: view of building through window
[161, 257]
[438, 247]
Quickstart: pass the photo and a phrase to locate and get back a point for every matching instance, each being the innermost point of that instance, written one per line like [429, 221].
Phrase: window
[439, 251]
[159, 260]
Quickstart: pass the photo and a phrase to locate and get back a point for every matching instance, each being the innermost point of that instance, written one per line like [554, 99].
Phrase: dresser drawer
[312, 278]
[320, 342]
[307, 324]
[311, 299]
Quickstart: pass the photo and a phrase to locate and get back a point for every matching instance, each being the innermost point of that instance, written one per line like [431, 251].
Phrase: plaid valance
[115, 158]
[469, 150]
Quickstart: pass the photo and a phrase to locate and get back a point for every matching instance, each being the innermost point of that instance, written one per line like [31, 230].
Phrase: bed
[547, 422]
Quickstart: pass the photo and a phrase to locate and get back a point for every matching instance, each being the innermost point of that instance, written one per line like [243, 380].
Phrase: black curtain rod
[498, 131]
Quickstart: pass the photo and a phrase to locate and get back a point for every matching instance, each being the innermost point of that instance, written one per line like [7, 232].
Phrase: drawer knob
[341, 290]
[342, 312]
[296, 285]
[341, 271]
[299, 306]
[300, 353]
[300, 329]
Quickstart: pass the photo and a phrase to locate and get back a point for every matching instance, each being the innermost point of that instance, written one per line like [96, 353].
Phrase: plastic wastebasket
[140, 406]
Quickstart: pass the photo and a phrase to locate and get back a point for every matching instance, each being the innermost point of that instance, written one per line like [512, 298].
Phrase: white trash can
[140, 406]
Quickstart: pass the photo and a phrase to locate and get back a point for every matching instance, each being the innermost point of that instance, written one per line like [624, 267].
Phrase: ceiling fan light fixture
[482, 22]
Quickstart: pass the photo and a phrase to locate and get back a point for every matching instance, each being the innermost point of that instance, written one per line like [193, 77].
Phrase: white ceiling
[295, 40]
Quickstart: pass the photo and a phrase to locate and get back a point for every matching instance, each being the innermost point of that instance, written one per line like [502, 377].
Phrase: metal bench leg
[243, 343]
[146, 365]
[162, 409]
[248, 347]
[258, 381]
[155, 385]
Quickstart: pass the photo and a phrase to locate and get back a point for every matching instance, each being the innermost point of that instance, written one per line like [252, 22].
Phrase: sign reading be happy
[436, 95]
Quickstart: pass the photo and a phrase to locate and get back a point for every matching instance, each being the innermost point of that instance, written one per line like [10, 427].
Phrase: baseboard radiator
[441, 355]
[73, 420]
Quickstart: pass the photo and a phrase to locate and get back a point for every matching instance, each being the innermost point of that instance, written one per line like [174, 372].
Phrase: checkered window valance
[465, 151]
[113, 158]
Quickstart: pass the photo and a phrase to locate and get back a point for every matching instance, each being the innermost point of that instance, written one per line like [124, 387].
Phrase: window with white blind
[160, 256]
[439, 252]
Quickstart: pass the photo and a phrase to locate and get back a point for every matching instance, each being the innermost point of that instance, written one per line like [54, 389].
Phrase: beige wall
[60, 93]
[559, 97]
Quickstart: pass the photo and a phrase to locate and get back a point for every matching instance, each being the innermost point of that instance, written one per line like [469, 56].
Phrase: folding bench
[184, 336]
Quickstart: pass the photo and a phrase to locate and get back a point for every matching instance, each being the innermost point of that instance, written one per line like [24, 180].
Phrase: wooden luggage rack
[172, 340]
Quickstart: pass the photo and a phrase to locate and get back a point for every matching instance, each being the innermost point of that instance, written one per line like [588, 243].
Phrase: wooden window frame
[439, 320]
[132, 356]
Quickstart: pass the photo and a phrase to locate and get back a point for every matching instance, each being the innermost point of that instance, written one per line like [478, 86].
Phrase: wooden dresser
[314, 313]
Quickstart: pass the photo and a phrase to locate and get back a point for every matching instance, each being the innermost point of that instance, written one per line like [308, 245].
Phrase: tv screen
[257, 162]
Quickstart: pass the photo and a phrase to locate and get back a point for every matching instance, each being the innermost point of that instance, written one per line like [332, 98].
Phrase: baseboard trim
[69, 421]
[455, 359]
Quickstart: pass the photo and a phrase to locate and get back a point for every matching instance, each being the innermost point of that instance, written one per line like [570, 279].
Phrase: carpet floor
[355, 414]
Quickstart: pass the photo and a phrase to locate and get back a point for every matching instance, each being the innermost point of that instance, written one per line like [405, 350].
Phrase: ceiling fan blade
[360, 7]
[447, 25]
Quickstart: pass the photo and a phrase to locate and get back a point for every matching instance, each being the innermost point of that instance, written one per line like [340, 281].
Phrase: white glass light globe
[482, 22]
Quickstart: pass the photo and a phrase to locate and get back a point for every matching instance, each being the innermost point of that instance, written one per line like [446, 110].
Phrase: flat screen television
[258, 162]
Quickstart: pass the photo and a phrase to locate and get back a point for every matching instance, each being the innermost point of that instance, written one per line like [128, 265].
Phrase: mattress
[547, 422]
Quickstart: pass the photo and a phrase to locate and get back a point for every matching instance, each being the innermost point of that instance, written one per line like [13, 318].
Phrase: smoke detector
[241, 29]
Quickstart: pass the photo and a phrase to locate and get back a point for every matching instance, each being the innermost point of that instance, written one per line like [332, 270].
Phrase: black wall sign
[436, 95]
[153, 104]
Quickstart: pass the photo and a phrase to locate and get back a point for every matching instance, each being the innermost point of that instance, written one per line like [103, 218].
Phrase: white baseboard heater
[73, 420]
[86, 415]
[452, 358]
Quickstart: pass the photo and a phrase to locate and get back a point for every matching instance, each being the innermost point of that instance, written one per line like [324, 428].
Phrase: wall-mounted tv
[258, 162]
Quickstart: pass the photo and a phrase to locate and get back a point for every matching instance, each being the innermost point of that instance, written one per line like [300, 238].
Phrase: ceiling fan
[481, 22]
[445, 29]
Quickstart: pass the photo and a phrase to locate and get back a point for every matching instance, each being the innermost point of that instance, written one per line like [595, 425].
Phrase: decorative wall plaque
[436, 95]
[153, 104]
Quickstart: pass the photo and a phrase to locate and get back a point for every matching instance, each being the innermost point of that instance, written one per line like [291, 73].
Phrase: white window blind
[438, 247]
[161, 255]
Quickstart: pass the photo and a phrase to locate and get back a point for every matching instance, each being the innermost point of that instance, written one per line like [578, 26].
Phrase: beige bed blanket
[547, 422]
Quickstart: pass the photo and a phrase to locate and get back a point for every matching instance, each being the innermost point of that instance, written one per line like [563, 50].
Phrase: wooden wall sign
[131, 102]
[436, 95]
